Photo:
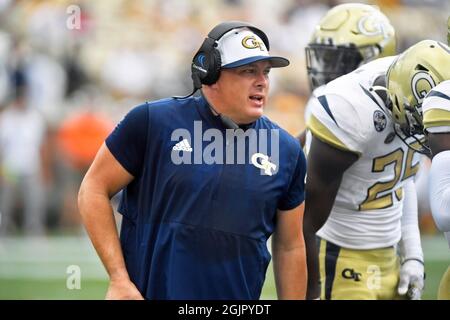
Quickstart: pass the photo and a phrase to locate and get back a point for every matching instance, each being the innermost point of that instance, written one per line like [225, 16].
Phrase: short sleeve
[295, 193]
[128, 141]
[338, 123]
[436, 108]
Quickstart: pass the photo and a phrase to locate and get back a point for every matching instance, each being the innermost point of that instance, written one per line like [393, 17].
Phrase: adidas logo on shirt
[182, 146]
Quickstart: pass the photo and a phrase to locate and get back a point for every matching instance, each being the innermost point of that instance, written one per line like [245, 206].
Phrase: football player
[360, 193]
[348, 36]
[417, 108]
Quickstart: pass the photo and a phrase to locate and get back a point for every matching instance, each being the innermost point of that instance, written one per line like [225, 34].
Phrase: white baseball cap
[242, 46]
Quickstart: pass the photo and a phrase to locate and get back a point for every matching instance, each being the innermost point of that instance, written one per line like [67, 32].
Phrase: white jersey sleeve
[439, 190]
[336, 121]
[436, 109]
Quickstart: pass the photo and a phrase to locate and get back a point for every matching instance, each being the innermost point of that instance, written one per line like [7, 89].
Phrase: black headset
[206, 64]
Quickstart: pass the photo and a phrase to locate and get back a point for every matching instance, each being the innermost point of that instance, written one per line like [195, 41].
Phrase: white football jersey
[436, 108]
[350, 116]
[436, 114]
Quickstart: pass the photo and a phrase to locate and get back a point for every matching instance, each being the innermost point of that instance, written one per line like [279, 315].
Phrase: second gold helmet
[347, 36]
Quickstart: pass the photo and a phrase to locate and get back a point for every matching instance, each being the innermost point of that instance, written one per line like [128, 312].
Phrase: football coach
[206, 180]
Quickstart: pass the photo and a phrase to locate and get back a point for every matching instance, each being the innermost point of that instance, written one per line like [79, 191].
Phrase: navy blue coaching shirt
[198, 230]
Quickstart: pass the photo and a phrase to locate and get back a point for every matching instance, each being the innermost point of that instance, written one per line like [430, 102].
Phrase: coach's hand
[411, 279]
[123, 289]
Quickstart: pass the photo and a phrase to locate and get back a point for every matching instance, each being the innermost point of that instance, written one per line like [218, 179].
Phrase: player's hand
[411, 279]
[123, 289]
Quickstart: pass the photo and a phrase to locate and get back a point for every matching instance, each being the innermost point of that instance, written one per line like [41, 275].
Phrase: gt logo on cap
[250, 42]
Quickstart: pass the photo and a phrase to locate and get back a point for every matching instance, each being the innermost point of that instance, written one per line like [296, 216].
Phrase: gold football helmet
[411, 76]
[347, 36]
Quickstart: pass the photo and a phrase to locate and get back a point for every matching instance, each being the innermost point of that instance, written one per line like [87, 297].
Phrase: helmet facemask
[413, 124]
[325, 63]
[348, 36]
[408, 123]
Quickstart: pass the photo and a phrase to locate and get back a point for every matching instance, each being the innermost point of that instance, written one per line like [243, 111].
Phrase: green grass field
[41, 268]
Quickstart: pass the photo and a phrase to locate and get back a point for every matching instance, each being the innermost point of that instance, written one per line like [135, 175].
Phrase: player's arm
[412, 267]
[326, 165]
[439, 179]
[103, 180]
[439, 142]
[288, 251]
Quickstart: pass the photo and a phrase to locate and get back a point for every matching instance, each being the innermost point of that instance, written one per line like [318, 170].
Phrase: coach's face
[243, 91]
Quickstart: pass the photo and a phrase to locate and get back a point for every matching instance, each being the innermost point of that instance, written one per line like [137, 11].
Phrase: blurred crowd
[70, 70]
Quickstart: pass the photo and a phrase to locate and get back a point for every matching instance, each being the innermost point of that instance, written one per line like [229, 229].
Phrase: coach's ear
[215, 86]
[211, 88]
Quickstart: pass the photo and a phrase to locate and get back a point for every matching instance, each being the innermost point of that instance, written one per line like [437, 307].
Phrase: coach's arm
[326, 165]
[289, 258]
[103, 180]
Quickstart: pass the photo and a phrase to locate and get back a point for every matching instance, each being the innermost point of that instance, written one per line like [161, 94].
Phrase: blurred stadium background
[79, 66]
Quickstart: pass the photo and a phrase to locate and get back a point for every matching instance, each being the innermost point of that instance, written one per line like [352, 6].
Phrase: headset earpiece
[214, 66]
[206, 64]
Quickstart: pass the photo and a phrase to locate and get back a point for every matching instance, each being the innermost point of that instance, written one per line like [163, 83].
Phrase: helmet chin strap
[384, 95]
[425, 150]
[380, 88]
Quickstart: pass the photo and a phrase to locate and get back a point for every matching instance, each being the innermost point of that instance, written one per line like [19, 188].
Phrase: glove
[411, 279]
